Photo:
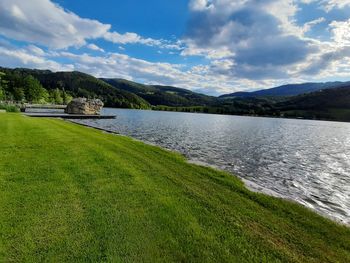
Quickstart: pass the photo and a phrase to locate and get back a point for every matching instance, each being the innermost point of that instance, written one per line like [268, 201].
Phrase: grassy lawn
[74, 194]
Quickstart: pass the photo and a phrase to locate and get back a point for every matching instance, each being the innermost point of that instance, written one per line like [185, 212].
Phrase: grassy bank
[70, 193]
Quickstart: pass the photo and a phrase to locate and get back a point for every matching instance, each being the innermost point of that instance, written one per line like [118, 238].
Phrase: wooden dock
[49, 114]
[24, 107]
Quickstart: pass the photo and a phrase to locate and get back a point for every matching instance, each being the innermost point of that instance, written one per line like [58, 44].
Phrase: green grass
[74, 194]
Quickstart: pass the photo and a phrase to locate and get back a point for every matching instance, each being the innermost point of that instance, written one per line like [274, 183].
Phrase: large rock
[84, 106]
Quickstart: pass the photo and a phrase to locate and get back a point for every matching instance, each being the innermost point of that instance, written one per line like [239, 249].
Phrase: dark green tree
[66, 97]
[55, 96]
[2, 94]
[18, 94]
[34, 91]
[3, 86]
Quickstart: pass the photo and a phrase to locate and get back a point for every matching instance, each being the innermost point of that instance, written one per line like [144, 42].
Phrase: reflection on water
[307, 161]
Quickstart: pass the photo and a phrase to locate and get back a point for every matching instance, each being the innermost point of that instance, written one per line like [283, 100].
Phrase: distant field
[74, 194]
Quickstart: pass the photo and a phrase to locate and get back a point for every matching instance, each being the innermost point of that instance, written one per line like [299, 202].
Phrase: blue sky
[211, 46]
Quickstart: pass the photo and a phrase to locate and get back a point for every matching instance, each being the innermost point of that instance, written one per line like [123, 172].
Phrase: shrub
[9, 108]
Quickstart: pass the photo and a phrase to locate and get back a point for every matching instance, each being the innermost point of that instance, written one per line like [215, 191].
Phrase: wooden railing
[42, 106]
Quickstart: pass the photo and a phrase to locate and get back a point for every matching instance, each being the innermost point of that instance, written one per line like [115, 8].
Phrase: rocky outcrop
[84, 106]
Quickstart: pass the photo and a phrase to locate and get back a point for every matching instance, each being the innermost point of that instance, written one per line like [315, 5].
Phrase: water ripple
[307, 161]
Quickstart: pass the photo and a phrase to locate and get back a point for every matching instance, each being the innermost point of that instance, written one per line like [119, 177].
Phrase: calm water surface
[307, 161]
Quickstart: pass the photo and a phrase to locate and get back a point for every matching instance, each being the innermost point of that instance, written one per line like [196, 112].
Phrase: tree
[55, 96]
[3, 86]
[18, 94]
[2, 94]
[34, 91]
[44, 96]
[66, 97]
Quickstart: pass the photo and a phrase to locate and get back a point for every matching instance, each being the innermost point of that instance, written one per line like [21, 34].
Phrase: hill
[287, 90]
[330, 104]
[327, 104]
[163, 95]
[83, 85]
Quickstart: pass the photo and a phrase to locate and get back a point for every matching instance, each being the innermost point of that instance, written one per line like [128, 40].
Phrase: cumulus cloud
[128, 38]
[329, 5]
[95, 47]
[43, 22]
[30, 57]
[327, 59]
[257, 41]
[341, 32]
[308, 26]
[133, 38]
[334, 53]
[36, 50]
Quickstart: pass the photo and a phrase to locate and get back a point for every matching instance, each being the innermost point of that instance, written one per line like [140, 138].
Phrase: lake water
[306, 161]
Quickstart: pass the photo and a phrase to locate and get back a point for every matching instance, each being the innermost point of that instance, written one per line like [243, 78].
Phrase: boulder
[84, 106]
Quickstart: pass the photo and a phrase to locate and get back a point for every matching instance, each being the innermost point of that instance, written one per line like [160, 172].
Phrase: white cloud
[133, 38]
[199, 5]
[193, 50]
[36, 50]
[308, 26]
[31, 57]
[341, 32]
[284, 11]
[329, 5]
[95, 47]
[17, 12]
[333, 58]
[45, 23]
[260, 37]
[259, 41]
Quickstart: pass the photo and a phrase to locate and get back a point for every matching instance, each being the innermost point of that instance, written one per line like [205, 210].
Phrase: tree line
[16, 88]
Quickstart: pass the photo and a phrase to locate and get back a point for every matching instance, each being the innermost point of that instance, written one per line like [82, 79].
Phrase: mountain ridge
[163, 95]
[287, 90]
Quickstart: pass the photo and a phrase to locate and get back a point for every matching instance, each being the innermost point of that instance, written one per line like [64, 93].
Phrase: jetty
[78, 109]
[24, 107]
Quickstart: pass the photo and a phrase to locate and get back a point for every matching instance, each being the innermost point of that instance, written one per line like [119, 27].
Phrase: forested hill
[287, 90]
[79, 84]
[327, 104]
[163, 95]
[331, 104]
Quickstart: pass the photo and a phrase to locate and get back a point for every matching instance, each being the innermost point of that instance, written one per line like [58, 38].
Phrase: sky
[210, 46]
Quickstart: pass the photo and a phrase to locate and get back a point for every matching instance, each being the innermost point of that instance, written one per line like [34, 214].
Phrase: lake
[303, 160]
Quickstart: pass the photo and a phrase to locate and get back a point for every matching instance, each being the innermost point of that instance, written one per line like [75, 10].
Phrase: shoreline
[250, 185]
[82, 194]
